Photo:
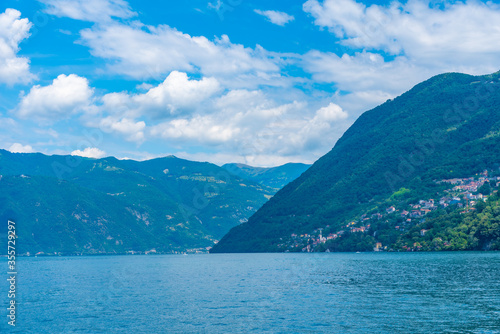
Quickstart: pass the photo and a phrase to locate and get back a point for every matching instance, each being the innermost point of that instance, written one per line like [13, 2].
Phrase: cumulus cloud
[201, 129]
[19, 148]
[330, 113]
[250, 125]
[177, 93]
[132, 130]
[144, 52]
[241, 99]
[90, 152]
[241, 122]
[364, 71]
[275, 17]
[89, 10]
[67, 95]
[13, 30]
[312, 136]
[231, 121]
[414, 28]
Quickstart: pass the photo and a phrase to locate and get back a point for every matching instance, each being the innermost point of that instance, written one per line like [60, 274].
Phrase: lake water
[260, 293]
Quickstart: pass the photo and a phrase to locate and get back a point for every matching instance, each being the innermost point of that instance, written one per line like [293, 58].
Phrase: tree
[485, 189]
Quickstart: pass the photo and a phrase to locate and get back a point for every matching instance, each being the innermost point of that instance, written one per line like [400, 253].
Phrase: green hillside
[273, 177]
[446, 127]
[478, 229]
[77, 205]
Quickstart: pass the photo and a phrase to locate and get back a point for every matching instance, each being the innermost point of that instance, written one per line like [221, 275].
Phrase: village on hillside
[463, 194]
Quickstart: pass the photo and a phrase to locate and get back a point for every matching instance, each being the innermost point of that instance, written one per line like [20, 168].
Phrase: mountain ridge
[443, 127]
[166, 204]
[274, 177]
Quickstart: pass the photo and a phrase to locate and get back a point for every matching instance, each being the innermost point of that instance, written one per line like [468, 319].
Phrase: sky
[256, 82]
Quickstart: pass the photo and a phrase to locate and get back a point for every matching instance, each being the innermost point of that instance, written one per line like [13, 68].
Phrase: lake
[259, 293]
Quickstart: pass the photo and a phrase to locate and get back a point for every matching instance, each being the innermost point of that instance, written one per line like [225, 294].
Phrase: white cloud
[414, 28]
[249, 125]
[132, 130]
[312, 136]
[150, 52]
[67, 95]
[144, 86]
[325, 127]
[331, 113]
[90, 152]
[202, 129]
[19, 148]
[458, 35]
[275, 17]
[364, 71]
[144, 52]
[13, 30]
[242, 99]
[89, 10]
[177, 93]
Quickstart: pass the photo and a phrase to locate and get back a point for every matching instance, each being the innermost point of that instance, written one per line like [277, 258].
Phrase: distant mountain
[274, 177]
[446, 127]
[73, 205]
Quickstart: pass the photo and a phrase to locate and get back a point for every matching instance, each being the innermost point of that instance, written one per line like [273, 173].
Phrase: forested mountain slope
[445, 127]
[64, 204]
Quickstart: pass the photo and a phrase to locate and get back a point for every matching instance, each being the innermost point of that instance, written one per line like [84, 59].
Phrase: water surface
[260, 293]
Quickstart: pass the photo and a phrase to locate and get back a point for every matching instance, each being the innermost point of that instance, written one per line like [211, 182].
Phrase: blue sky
[256, 82]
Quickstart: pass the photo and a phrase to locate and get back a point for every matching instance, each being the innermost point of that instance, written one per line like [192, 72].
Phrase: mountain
[66, 204]
[274, 177]
[446, 127]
